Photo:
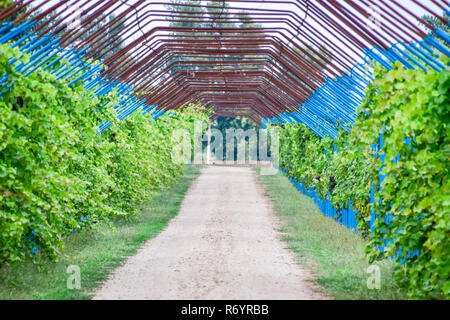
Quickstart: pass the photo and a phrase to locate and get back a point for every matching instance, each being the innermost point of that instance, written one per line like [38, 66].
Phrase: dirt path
[223, 244]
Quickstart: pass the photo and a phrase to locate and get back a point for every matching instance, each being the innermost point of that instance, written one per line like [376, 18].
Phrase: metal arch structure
[288, 61]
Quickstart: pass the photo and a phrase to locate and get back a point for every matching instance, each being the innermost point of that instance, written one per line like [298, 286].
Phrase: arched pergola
[271, 61]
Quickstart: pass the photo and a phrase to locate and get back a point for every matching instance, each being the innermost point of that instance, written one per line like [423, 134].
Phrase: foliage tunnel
[359, 91]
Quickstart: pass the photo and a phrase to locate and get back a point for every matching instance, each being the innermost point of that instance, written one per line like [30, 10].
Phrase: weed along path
[223, 244]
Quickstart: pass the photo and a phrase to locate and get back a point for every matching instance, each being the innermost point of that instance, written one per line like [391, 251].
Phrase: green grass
[96, 252]
[334, 253]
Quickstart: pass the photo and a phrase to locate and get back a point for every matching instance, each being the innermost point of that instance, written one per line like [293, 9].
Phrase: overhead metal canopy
[306, 61]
